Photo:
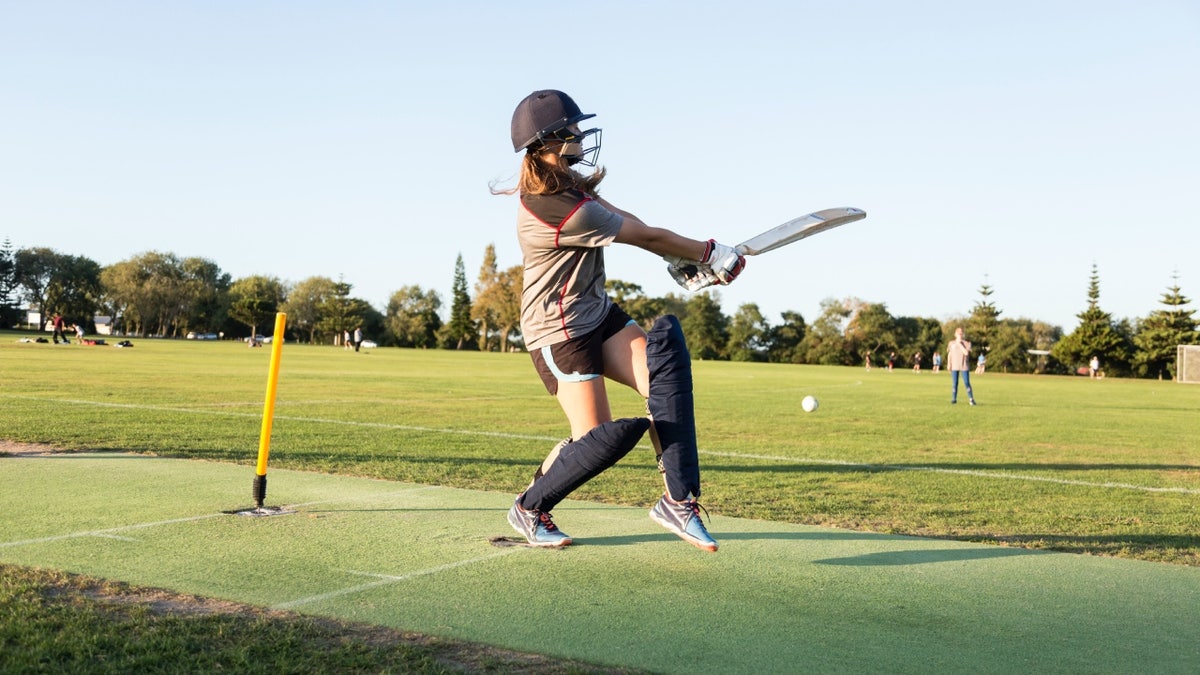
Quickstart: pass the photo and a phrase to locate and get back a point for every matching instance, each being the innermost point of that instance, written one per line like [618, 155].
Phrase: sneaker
[683, 518]
[972, 401]
[536, 526]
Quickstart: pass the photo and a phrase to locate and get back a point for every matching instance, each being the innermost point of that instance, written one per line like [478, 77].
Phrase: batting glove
[723, 261]
[692, 276]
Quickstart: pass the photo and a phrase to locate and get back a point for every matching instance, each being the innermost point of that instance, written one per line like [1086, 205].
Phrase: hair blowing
[541, 177]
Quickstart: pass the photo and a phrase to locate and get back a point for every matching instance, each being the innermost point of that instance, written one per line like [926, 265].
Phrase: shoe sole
[710, 546]
[565, 541]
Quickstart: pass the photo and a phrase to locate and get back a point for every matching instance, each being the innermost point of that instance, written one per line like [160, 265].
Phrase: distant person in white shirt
[958, 355]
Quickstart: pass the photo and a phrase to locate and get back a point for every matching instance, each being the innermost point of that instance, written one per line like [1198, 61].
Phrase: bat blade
[799, 228]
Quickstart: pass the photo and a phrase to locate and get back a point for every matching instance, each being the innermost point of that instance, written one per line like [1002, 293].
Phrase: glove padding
[693, 276]
[720, 265]
[724, 261]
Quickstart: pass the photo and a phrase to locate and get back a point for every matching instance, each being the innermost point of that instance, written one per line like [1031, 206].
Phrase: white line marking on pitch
[108, 533]
[527, 437]
[386, 580]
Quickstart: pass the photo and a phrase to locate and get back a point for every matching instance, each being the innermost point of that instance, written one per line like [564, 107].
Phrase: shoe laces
[695, 507]
[546, 522]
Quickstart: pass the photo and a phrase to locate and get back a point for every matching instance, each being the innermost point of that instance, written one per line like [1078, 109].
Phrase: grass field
[1109, 467]
[1106, 467]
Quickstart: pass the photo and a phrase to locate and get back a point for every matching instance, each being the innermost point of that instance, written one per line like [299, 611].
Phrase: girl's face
[567, 144]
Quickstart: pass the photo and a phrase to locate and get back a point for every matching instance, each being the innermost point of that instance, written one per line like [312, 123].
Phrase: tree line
[165, 295]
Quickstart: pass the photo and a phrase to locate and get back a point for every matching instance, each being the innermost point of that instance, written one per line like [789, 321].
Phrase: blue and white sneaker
[536, 526]
[683, 518]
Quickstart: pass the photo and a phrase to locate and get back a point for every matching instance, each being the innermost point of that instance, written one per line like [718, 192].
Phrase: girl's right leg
[573, 372]
[598, 443]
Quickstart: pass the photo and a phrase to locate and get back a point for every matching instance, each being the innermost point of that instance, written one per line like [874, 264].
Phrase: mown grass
[1100, 467]
[1106, 467]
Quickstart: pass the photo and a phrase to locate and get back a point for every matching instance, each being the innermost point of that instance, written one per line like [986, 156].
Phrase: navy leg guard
[671, 407]
[584, 459]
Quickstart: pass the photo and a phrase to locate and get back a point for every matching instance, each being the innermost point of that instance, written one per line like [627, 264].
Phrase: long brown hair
[541, 177]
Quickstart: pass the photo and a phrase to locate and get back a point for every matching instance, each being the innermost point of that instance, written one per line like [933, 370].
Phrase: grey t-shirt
[562, 239]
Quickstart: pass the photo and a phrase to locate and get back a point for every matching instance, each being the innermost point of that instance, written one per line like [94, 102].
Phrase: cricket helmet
[549, 115]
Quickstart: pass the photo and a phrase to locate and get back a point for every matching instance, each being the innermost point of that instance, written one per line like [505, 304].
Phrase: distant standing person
[981, 364]
[867, 360]
[937, 361]
[357, 338]
[958, 359]
[79, 333]
[891, 361]
[1094, 366]
[59, 325]
[347, 340]
[917, 362]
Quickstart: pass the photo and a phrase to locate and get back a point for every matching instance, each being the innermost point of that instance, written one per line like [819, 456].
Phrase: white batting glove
[693, 276]
[723, 261]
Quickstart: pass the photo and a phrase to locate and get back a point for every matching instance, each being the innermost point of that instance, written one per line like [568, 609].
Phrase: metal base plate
[263, 511]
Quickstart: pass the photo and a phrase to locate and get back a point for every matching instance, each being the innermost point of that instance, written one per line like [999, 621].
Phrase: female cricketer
[577, 336]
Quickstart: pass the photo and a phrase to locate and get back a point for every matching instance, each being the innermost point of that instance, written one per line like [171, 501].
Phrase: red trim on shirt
[559, 227]
[562, 314]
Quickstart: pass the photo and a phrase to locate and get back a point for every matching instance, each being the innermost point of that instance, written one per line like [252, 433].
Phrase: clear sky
[1011, 144]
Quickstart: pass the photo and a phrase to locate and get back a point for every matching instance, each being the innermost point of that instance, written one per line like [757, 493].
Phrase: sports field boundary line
[258, 415]
[551, 439]
[959, 472]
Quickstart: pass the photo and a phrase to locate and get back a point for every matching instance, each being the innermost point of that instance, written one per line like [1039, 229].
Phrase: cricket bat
[799, 228]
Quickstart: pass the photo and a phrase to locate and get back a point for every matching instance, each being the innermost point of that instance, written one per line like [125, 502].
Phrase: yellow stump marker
[264, 437]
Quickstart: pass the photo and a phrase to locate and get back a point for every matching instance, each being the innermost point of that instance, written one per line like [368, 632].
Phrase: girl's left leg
[626, 361]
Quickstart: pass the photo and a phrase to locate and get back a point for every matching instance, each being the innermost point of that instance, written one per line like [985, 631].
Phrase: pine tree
[10, 312]
[981, 325]
[459, 332]
[1159, 334]
[1097, 335]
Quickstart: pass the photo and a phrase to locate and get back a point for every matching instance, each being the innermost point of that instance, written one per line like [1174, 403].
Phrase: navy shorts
[578, 359]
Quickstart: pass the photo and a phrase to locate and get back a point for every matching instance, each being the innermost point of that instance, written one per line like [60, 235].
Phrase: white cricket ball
[809, 403]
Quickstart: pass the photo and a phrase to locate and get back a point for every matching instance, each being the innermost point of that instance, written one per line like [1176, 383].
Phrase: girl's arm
[657, 240]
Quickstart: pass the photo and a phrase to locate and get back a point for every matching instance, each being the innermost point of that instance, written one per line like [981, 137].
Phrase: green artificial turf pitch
[776, 598]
